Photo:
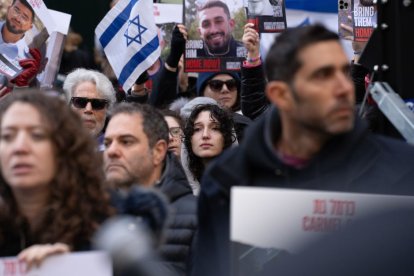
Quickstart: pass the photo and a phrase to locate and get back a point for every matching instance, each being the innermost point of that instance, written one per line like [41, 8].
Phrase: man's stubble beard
[223, 50]
[12, 29]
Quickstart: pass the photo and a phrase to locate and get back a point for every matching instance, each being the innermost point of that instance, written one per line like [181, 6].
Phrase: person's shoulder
[393, 147]
[228, 158]
[225, 171]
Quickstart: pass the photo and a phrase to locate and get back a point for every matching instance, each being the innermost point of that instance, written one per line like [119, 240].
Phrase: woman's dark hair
[78, 202]
[225, 120]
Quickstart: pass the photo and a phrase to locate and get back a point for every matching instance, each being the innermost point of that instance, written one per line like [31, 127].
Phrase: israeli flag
[128, 35]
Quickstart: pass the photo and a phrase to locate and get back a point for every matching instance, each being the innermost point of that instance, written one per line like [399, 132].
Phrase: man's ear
[232, 23]
[159, 152]
[279, 94]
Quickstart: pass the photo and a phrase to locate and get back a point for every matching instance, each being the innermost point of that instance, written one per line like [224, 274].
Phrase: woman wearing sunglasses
[51, 194]
[221, 86]
[90, 94]
[207, 133]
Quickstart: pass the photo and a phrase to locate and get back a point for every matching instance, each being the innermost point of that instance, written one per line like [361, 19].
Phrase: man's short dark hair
[27, 5]
[282, 61]
[154, 125]
[217, 4]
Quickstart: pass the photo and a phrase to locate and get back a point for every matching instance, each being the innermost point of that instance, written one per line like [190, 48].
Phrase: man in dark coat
[136, 143]
[311, 141]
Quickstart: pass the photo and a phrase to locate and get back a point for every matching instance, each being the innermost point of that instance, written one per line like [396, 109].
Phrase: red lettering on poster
[211, 64]
[35, 3]
[362, 34]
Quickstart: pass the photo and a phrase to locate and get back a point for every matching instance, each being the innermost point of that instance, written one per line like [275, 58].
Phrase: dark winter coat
[183, 216]
[358, 161]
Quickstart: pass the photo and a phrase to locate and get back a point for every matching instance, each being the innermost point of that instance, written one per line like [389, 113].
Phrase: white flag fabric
[128, 35]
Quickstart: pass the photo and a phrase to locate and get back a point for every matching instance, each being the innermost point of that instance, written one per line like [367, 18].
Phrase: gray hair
[103, 84]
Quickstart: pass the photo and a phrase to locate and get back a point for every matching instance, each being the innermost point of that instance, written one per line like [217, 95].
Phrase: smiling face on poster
[215, 32]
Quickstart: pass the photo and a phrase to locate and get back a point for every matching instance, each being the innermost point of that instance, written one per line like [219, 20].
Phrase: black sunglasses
[217, 85]
[81, 102]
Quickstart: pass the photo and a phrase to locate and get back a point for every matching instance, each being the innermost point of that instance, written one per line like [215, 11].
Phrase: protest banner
[267, 222]
[92, 263]
[267, 16]
[215, 30]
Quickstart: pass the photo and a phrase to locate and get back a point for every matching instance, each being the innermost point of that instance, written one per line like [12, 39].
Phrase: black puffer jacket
[183, 216]
[253, 98]
[176, 244]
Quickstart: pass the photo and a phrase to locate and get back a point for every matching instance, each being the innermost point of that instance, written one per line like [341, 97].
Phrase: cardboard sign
[47, 35]
[79, 264]
[267, 223]
[167, 13]
[267, 16]
[214, 38]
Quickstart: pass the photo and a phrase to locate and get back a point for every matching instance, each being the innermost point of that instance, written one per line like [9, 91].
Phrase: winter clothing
[183, 219]
[176, 244]
[253, 98]
[358, 161]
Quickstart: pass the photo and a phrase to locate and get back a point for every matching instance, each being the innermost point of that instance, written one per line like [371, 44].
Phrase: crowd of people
[71, 160]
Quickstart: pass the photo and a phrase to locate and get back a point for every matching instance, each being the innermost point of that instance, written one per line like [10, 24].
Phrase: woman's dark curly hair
[78, 202]
[225, 120]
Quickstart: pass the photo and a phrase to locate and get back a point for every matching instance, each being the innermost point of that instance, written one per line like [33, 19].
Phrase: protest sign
[215, 30]
[267, 16]
[79, 264]
[267, 223]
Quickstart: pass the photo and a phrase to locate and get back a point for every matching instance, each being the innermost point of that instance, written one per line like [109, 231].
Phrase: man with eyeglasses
[90, 93]
[19, 19]
[13, 47]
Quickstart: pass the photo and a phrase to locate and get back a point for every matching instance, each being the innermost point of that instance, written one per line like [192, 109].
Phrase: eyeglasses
[18, 13]
[176, 132]
[217, 85]
[81, 102]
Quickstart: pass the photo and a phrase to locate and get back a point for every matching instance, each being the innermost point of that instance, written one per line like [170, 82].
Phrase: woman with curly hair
[208, 132]
[51, 183]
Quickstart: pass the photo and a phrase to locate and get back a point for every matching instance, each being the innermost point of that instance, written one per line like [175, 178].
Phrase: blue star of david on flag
[134, 28]
[130, 40]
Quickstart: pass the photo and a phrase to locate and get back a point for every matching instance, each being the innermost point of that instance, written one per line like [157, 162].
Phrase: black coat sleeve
[253, 99]
[164, 88]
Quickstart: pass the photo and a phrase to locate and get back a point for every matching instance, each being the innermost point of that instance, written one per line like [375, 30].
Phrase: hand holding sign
[30, 67]
[35, 254]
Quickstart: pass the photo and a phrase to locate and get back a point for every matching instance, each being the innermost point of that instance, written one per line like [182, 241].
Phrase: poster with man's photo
[41, 29]
[268, 16]
[215, 31]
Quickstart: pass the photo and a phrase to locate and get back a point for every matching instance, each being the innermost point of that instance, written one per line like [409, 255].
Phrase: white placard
[43, 14]
[168, 13]
[79, 264]
[290, 219]
[62, 21]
